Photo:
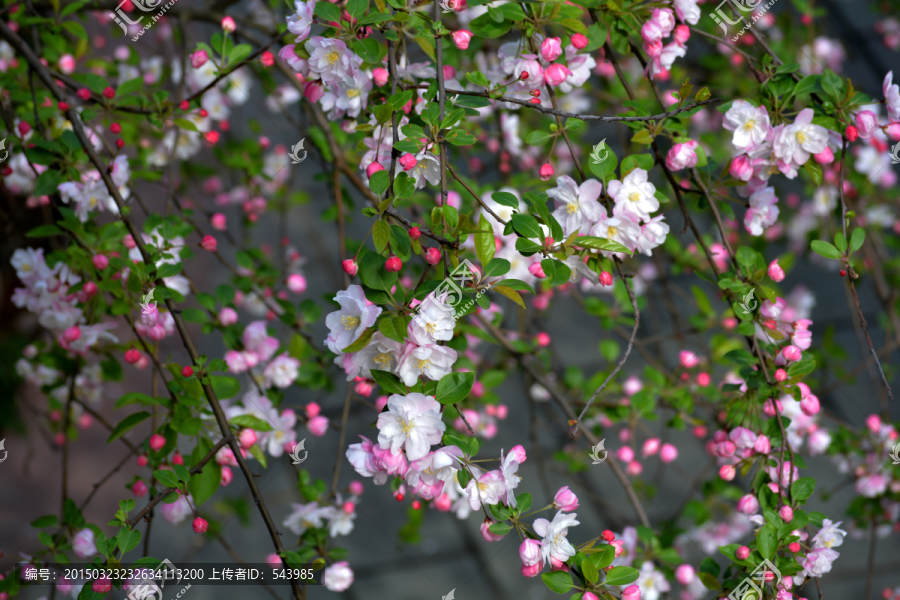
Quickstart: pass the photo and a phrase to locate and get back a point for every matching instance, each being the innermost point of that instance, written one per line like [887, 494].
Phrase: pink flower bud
[748, 504]
[763, 444]
[312, 409]
[685, 574]
[776, 273]
[794, 547]
[688, 359]
[546, 171]
[313, 91]
[530, 552]
[374, 168]
[579, 41]
[786, 513]
[625, 454]
[606, 279]
[246, 438]
[24, 128]
[668, 453]
[393, 264]
[725, 449]
[461, 38]
[142, 460]
[200, 524]
[551, 48]
[682, 34]
[651, 447]
[632, 592]
[537, 270]
[866, 124]
[556, 74]
[380, 76]
[228, 24]
[791, 353]
[771, 405]
[67, 64]
[199, 58]
[408, 162]
[810, 405]
[873, 422]
[139, 488]
[433, 256]
[228, 316]
[651, 31]
[682, 156]
[742, 553]
[218, 221]
[565, 499]
[588, 595]
[851, 133]
[157, 442]
[893, 132]
[703, 379]
[227, 476]
[486, 533]
[318, 426]
[350, 267]
[296, 283]
[101, 586]
[209, 243]
[100, 261]
[825, 157]
[727, 472]
[741, 168]
[72, 333]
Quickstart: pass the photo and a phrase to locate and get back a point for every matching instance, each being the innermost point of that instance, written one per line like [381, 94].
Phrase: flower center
[423, 363]
[750, 124]
[801, 137]
[611, 232]
[571, 208]
[350, 322]
[406, 426]
[332, 57]
[634, 196]
[352, 93]
[383, 360]
[430, 328]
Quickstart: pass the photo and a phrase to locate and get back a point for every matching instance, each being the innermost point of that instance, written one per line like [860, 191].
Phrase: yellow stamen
[571, 208]
[422, 363]
[405, 426]
[350, 322]
[634, 196]
[383, 360]
[332, 57]
[611, 232]
[750, 124]
[801, 137]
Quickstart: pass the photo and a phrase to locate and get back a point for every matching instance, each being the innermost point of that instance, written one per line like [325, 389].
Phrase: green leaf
[589, 571]
[506, 199]
[621, 576]
[499, 528]
[166, 477]
[857, 238]
[598, 243]
[380, 181]
[557, 272]
[558, 581]
[527, 226]
[250, 422]
[357, 8]
[381, 236]
[767, 542]
[45, 521]
[832, 84]
[139, 398]
[126, 425]
[478, 78]
[815, 171]
[205, 483]
[239, 53]
[825, 249]
[373, 18]
[401, 245]
[327, 12]
[537, 138]
[394, 328]
[45, 231]
[454, 387]
[225, 386]
[47, 182]
[802, 489]
[389, 382]
[484, 242]
[373, 274]
[368, 49]
[361, 342]
[128, 539]
[510, 293]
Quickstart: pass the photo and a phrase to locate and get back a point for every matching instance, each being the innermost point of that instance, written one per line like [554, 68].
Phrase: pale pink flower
[412, 422]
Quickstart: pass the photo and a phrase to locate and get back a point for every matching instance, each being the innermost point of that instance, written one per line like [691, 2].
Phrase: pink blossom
[682, 156]
[556, 74]
[380, 76]
[866, 124]
[668, 453]
[461, 38]
[318, 426]
[685, 574]
[551, 48]
[487, 534]
[199, 58]
[818, 562]
[579, 41]
[565, 499]
[748, 504]
[776, 273]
